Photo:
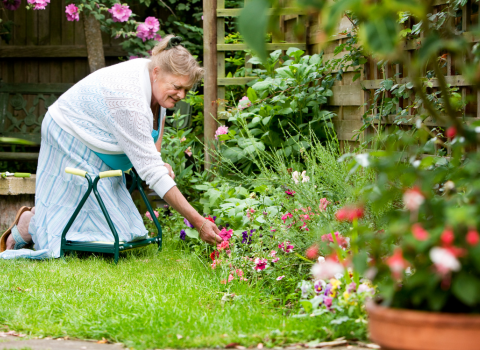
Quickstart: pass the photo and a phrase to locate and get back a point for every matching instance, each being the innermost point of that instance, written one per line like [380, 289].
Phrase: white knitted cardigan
[109, 111]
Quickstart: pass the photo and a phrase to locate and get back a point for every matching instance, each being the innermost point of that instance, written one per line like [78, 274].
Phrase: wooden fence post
[93, 38]
[210, 80]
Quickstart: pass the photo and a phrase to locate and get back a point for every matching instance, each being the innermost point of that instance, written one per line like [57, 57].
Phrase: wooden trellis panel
[279, 42]
[349, 98]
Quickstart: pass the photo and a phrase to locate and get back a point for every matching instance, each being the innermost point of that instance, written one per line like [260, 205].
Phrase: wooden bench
[22, 109]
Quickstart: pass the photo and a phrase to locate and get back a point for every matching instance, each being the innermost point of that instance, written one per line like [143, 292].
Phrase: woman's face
[168, 89]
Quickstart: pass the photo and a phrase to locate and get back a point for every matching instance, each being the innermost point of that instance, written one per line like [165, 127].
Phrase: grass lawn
[149, 300]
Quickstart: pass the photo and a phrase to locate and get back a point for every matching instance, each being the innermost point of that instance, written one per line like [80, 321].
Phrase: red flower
[451, 132]
[472, 237]
[419, 232]
[349, 213]
[312, 252]
[447, 237]
[214, 255]
[397, 263]
[209, 218]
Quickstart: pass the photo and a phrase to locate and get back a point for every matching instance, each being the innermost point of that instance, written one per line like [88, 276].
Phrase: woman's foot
[22, 226]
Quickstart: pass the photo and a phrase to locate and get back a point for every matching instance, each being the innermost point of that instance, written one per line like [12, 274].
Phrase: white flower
[444, 260]
[362, 159]
[305, 178]
[326, 270]
[338, 276]
[413, 199]
[295, 176]
[321, 259]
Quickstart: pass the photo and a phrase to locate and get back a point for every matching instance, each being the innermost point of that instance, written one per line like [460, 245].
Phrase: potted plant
[421, 243]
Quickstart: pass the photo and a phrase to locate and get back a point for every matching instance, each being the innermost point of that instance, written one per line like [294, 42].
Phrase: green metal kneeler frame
[116, 246]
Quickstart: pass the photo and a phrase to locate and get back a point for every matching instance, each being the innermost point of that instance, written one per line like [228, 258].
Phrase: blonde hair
[176, 60]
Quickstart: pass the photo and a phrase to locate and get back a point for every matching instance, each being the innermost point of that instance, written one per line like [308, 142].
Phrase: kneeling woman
[109, 120]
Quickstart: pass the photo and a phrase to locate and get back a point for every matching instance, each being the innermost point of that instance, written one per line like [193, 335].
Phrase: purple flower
[12, 5]
[187, 223]
[72, 13]
[319, 286]
[182, 235]
[246, 237]
[328, 289]
[120, 13]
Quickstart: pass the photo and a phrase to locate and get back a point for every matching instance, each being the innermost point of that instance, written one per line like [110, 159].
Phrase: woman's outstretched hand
[209, 232]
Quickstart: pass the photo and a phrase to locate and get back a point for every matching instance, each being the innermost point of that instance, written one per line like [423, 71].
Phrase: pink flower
[147, 214]
[312, 252]
[272, 253]
[38, 4]
[286, 216]
[326, 269]
[444, 260]
[230, 277]
[323, 204]
[286, 247]
[120, 13]
[152, 23]
[226, 235]
[183, 139]
[244, 103]
[349, 213]
[272, 229]
[472, 237]
[222, 130]
[342, 241]
[275, 260]
[419, 232]
[413, 199]
[290, 193]
[397, 263]
[279, 278]
[260, 264]
[239, 272]
[12, 5]
[223, 245]
[72, 13]
[188, 151]
[148, 29]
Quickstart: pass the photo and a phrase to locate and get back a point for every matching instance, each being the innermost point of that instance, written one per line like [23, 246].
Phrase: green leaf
[380, 35]
[360, 262]
[254, 60]
[466, 288]
[253, 31]
[307, 305]
[192, 233]
[262, 85]
[252, 95]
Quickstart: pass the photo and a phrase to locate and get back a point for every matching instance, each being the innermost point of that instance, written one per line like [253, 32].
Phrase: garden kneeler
[107, 247]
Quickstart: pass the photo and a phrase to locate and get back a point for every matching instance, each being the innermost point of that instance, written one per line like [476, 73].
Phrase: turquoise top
[121, 161]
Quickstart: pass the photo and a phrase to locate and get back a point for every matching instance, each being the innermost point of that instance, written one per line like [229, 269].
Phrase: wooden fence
[350, 99]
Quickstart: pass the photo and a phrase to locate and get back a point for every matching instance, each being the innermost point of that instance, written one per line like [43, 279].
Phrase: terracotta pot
[420, 330]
